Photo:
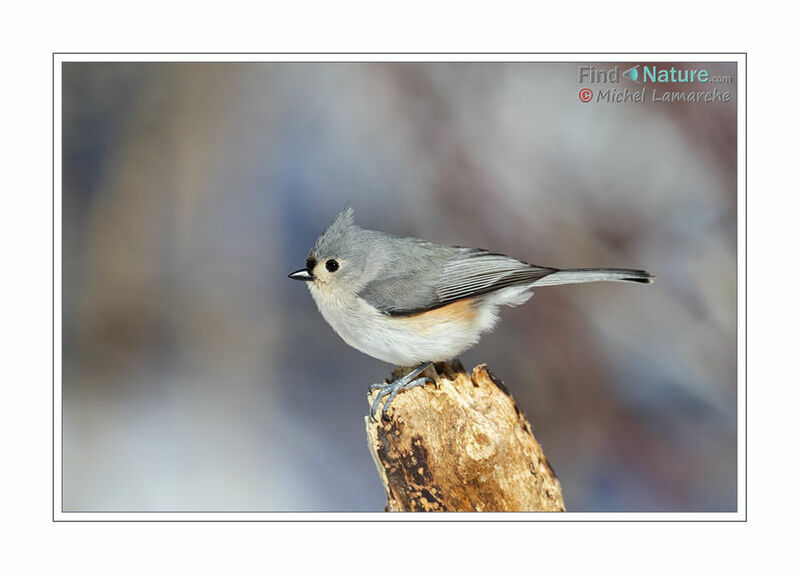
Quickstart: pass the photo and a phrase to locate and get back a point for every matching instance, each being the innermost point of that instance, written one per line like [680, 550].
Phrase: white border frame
[741, 327]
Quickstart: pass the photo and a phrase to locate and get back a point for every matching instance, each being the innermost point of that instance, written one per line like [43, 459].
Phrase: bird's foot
[391, 389]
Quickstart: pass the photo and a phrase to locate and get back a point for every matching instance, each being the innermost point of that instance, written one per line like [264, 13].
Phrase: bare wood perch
[463, 445]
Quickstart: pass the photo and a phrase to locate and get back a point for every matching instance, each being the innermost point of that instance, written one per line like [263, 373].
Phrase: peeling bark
[463, 445]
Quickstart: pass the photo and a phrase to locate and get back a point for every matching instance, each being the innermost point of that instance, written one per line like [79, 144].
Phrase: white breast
[438, 335]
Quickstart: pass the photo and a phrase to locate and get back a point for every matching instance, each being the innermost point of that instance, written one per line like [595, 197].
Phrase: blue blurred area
[198, 377]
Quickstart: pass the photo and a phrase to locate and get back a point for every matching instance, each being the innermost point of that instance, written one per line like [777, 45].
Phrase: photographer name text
[655, 95]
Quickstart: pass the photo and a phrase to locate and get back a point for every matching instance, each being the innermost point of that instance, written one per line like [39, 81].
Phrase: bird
[410, 302]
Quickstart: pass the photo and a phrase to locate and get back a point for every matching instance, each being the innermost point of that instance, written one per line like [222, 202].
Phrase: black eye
[310, 263]
[331, 265]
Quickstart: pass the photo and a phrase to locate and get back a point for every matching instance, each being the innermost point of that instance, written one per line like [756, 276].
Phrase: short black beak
[303, 275]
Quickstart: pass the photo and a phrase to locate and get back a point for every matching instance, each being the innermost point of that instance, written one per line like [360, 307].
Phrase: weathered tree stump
[463, 445]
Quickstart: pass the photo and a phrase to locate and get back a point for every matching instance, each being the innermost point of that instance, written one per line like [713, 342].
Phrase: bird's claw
[391, 390]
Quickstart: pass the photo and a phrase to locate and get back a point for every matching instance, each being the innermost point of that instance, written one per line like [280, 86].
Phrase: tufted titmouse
[411, 303]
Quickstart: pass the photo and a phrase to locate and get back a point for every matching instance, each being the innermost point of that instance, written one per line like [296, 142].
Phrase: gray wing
[446, 275]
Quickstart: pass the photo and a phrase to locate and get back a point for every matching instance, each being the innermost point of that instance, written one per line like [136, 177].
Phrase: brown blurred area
[197, 377]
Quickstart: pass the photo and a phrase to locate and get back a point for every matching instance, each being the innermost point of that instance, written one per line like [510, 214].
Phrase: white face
[326, 272]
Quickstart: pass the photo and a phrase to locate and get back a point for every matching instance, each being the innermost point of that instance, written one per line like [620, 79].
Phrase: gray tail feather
[584, 275]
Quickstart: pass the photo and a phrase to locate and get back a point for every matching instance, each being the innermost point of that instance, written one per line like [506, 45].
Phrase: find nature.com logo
[653, 75]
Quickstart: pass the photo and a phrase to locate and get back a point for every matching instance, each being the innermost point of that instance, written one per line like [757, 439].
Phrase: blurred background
[197, 377]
